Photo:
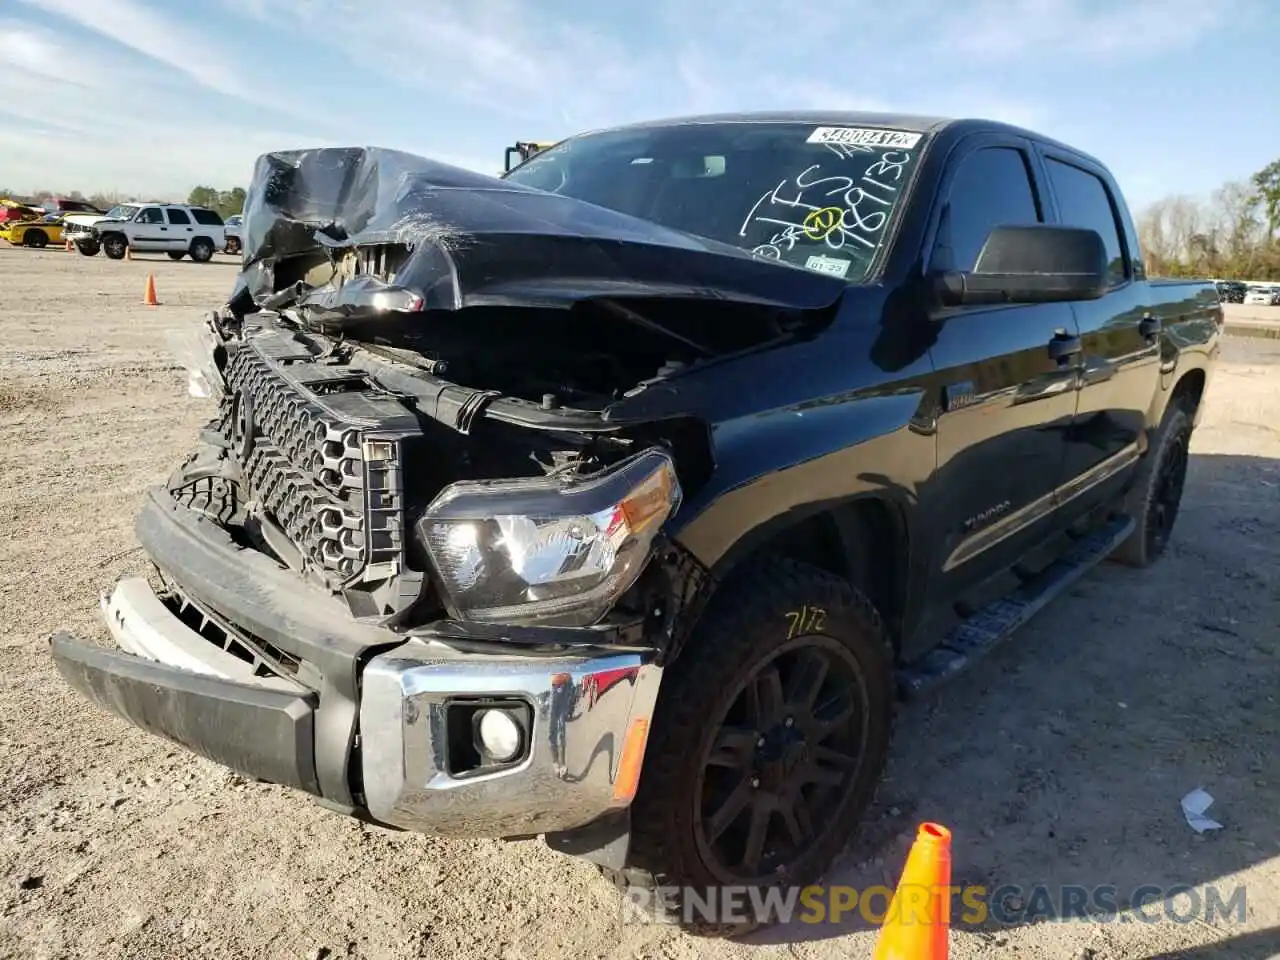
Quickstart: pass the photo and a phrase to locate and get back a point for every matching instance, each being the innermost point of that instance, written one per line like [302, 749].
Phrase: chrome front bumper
[586, 709]
[582, 710]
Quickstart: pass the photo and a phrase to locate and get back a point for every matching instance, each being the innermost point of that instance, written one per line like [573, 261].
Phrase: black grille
[320, 451]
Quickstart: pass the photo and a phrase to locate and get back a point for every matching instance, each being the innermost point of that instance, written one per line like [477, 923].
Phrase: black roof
[913, 123]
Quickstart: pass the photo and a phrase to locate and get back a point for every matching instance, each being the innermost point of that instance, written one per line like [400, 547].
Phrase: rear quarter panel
[1189, 311]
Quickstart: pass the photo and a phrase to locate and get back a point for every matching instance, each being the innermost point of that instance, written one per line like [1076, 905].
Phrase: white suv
[173, 228]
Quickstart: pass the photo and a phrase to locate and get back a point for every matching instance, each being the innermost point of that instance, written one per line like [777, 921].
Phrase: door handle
[1063, 348]
[1150, 327]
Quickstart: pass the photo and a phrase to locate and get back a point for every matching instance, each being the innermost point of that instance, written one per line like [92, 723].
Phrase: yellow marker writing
[820, 224]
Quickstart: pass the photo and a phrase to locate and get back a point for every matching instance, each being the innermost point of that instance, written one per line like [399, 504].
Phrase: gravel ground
[1061, 760]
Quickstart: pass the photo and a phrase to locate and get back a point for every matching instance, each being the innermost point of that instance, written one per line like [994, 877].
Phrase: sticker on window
[864, 137]
[832, 265]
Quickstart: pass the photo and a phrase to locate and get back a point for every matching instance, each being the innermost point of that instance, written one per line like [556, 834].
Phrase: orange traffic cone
[149, 297]
[68, 246]
[915, 927]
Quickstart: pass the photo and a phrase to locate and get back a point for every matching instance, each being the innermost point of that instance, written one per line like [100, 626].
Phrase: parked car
[232, 230]
[176, 229]
[833, 376]
[1231, 291]
[33, 233]
[1258, 296]
[61, 206]
[15, 211]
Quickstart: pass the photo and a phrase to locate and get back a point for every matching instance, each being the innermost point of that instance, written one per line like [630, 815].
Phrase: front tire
[176, 254]
[1156, 495]
[88, 248]
[36, 238]
[115, 246]
[768, 742]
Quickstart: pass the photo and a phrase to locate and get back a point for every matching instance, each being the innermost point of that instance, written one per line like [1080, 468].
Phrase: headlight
[546, 550]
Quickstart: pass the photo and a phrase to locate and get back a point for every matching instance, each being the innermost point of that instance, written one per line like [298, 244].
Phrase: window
[1083, 201]
[151, 215]
[990, 189]
[820, 197]
[207, 217]
[178, 217]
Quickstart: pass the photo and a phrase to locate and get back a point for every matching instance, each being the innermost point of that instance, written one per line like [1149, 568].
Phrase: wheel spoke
[730, 810]
[795, 815]
[833, 757]
[812, 773]
[732, 747]
[831, 714]
[807, 680]
[756, 835]
[764, 697]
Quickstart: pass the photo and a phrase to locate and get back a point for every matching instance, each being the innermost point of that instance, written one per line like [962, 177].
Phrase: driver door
[149, 231]
[1007, 378]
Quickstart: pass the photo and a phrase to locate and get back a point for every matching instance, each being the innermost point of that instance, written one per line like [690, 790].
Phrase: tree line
[226, 202]
[1234, 234]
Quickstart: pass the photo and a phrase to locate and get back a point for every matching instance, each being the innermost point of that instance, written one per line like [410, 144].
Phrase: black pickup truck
[619, 499]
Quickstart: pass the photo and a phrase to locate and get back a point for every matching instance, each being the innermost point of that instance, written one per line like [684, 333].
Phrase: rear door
[1120, 336]
[149, 230]
[1007, 376]
[181, 230]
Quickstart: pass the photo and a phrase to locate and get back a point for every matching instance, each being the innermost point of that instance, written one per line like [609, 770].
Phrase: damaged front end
[429, 496]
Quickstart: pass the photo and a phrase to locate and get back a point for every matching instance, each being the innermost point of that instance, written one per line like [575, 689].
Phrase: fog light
[499, 735]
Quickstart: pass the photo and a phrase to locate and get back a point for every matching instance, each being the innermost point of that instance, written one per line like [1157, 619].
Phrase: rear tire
[233, 246]
[769, 738]
[1156, 495]
[201, 250]
[115, 246]
[35, 238]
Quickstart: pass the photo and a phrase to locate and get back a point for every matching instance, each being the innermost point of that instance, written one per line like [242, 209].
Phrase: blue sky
[154, 96]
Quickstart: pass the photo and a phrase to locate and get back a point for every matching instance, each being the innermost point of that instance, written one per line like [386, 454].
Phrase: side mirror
[1031, 264]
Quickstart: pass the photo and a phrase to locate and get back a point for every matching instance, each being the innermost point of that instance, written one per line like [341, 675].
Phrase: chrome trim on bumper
[567, 779]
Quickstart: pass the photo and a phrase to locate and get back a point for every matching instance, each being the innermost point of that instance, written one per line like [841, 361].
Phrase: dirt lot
[1059, 761]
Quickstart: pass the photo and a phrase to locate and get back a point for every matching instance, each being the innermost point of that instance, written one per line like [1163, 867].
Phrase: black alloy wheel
[781, 761]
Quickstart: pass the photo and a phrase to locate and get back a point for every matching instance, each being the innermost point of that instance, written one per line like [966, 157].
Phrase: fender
[777, 469]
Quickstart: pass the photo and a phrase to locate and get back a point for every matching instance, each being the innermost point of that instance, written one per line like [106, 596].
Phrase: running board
[980, 633]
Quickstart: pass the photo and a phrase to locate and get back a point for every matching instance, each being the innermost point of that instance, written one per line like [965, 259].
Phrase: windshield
[124, 211]
[817, 197]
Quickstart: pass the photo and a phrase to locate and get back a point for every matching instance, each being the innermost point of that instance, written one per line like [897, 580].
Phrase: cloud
[1067, 29]
[115, 123]
[153, 35]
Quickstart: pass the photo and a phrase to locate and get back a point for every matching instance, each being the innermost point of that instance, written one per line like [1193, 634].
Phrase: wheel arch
[848, 538]
[1189, 389]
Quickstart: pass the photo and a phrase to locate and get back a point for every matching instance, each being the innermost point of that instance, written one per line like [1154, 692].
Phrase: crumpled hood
[476, 240]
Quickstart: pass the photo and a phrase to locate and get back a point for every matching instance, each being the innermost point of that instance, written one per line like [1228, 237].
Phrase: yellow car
[32, 233]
